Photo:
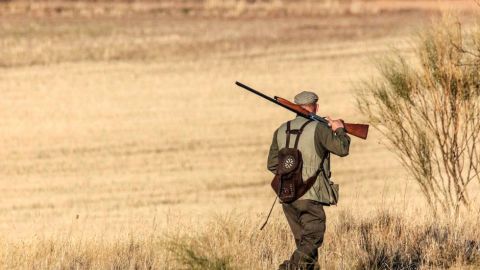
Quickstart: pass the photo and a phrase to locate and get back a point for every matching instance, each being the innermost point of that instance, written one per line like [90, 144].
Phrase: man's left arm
[272, 161]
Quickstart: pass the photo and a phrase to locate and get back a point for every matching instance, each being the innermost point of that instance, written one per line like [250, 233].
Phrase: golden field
[125, 142]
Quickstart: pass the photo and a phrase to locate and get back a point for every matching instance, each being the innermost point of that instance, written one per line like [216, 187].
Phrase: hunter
[306, 216]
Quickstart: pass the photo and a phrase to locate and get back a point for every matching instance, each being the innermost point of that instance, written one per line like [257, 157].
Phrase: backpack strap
[312, 179]
[297, 139]
[326, 156]
[297, 132]
[269, 213]
[288, 134]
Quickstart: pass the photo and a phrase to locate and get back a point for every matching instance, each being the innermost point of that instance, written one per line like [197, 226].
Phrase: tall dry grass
[381, 240]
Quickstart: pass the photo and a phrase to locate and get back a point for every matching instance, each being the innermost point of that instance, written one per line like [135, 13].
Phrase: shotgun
[357, 130]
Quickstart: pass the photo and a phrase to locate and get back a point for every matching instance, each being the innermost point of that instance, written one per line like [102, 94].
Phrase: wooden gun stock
[291, 105]
[357, 130]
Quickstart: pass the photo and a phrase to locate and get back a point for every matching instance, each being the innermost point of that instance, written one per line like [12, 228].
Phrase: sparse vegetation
[125, 146]
[211, 8]
[430, 113]
[384, 240]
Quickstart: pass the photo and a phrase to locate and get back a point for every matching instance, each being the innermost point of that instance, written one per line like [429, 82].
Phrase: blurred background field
[120, 121]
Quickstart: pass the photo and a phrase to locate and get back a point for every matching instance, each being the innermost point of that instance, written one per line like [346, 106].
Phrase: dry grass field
[125, 144]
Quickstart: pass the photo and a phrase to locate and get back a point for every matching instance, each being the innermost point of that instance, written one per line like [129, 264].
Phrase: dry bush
[430, 113]
[231, 242]
[389, 241]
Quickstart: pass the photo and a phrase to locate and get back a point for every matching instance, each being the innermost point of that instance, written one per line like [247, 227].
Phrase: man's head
[308, 101]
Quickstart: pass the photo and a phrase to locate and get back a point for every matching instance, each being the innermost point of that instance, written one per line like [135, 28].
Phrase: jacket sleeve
[272, 161]
[337, 142]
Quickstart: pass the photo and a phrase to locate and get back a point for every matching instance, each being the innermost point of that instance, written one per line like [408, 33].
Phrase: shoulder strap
[311, 180]
[325, 157]
[297, 139]
[288, 135]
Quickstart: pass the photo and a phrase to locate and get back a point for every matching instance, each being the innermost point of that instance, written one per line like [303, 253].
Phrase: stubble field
[124, 141]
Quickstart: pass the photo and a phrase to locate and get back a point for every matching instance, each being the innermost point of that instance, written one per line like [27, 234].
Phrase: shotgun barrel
[273, 100]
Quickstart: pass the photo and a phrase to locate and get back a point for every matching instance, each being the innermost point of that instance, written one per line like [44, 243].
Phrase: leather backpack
[288, 182]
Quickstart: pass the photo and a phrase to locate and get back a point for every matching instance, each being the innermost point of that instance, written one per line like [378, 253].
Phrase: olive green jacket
[316, 140]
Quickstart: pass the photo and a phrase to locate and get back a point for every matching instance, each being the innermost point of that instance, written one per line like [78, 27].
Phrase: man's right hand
[335, 124]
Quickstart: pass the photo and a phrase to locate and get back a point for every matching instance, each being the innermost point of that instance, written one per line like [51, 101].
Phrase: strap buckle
[293, 131]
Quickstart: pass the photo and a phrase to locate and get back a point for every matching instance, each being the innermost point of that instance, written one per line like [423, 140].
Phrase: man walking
[306, 216]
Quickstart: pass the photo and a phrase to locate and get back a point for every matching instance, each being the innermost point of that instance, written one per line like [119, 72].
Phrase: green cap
[306, 97]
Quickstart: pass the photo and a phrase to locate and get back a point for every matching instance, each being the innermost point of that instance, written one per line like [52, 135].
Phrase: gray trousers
[307, 222]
